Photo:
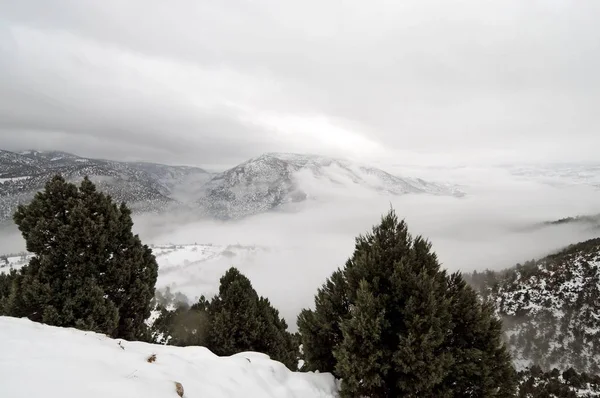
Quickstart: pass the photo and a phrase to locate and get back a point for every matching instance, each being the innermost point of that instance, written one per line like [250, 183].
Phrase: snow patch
[14, 179]
[45, 361]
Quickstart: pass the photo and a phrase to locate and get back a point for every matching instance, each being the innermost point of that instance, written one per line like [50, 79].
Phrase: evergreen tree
[6, 287]
[89, 271]
[320, 329]
[481, 364]
[182, 327]
[534, 382]
[394, 334]
[240, 321]
[11, 302]
[234, 316]
[275, 338]
[359, 354]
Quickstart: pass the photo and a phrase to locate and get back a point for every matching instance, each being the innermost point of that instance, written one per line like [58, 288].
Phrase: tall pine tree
[481, 364]
[320, 329]
[234, 314]
[240, 321]
[359, 354]
[88, 270]
[394, 334]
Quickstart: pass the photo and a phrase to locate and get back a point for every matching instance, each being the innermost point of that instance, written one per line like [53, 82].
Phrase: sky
[215, 83]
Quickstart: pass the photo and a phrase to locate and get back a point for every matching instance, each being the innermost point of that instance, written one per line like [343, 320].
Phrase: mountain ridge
[258, 185]
[145, 190]
[550, 308]
[273, 179]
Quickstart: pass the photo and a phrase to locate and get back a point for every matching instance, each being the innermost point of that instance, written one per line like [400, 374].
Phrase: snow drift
[44, 361]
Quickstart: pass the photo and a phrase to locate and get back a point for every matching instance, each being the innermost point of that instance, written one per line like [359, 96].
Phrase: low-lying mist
[496, 225]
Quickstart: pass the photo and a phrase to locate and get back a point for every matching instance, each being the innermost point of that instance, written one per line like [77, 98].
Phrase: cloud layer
[492, 227]
[205, 82]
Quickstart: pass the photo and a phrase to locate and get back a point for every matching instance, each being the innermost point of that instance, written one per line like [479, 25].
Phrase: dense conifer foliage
[88, 271]
[534, 383]
[234, 321]
[392, 323]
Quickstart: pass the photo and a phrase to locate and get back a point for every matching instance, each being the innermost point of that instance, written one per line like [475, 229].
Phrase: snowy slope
[274, 179]
[13, 163]
[43, 361]
[551, 308]
[146, 187]
[13, 261]
[258, 185]
[534, 383]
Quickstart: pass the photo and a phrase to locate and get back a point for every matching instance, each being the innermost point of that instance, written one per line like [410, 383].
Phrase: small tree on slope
[240, 321]
[387, 324]
[89, 271]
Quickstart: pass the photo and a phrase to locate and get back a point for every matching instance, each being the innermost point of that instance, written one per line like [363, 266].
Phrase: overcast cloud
[215, 82]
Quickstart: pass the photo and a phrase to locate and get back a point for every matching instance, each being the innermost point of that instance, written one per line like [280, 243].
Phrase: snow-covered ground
[13, 179]
[191, 269]
[195, 269]
[13, 262]
[44, 361]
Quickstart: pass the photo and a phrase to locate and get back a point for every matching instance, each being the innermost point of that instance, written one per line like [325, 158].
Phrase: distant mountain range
[588, 222]
[144, 186]
[258, 185]
[550, 308]
[592, 221]
[271, 180]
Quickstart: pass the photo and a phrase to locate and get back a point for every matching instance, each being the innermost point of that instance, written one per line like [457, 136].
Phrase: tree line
[389, 323]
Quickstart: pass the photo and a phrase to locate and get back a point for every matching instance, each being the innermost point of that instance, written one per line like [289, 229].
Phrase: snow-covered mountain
[258, 185]
[271, 180]
[535, 383]
[144, 186]
[45, 361]
[551, 308]
[591, 221]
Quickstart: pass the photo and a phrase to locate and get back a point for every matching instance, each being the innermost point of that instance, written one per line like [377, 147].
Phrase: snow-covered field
[13, 262]
[191, 269]
[45, 361]
[195, 269]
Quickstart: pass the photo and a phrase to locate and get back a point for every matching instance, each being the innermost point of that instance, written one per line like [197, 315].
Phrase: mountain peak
[258, 185]
[274, 179]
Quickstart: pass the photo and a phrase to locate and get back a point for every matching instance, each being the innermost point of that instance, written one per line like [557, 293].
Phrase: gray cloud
[204, 82]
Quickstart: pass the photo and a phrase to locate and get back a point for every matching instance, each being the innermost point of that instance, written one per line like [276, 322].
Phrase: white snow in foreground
[44, 361]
